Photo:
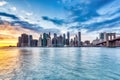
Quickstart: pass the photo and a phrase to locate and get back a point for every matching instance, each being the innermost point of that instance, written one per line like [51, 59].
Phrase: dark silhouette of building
[79, 39]
[64, 39]
[24, 40]
[54, 40]
[34, 43]
[44, 39]
[30, 38]
[68, 39]
[60, 41]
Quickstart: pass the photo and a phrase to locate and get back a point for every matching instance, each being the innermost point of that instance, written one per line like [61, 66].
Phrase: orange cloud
[9, 34]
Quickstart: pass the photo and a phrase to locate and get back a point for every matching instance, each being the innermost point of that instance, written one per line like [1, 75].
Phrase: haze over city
[90, 17]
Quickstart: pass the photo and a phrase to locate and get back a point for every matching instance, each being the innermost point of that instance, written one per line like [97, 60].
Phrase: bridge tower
[109, 37]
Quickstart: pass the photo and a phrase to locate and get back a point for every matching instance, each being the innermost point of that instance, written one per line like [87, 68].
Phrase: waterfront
[90, 63]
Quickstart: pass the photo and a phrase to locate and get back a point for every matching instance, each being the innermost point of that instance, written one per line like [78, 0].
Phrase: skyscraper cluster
[45, 40]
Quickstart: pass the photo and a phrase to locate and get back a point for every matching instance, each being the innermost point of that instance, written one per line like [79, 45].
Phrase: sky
[91, 17]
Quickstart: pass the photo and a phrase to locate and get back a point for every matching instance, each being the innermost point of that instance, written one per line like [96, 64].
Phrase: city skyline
[104, 39]
[57, 16]
[49, 40]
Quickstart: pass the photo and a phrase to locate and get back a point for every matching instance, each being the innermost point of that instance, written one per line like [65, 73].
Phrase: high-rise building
[40, 41]
[64, 39]
[60, 41]
[49, 41]
[44, 39]
[30, 40]
[68, 38]
[76, 41]
[34, 43]
[79, 39]
[54, 40]
[71, 43]
[103, 36]
[24, 39]
[19, 41]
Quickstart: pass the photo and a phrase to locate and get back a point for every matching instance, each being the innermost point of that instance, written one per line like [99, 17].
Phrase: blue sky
[88, 16]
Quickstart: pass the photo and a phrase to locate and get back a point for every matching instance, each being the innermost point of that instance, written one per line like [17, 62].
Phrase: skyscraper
[64, 39]
[24, 40]
[68, 38]
[60, 41]
[49, 41]
[54, 40]
[40, 41]
[103, 36]
[44, 39]
[79, 39]
[30, 40]
[19, 41]
[34, 43]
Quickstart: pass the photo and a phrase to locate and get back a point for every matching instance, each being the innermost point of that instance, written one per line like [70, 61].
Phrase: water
[60, 64]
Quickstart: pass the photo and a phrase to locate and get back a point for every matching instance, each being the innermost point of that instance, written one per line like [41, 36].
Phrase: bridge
[111, 41]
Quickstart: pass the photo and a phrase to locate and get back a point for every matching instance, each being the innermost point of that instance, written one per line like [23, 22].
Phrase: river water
[60, 63]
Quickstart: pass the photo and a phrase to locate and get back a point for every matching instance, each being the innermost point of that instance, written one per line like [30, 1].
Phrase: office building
[79, 39]
[40, 41]
[68, 38]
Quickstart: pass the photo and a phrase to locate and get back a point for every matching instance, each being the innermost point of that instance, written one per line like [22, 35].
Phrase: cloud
[9, 15]
[29, 14]
[9, 34]
[92, 15]
[54, 20]
[24, 24]
[13, 8]
[27, 25]
[2, 3]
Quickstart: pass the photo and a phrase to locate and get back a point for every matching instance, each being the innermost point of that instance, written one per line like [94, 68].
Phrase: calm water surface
[59, 63]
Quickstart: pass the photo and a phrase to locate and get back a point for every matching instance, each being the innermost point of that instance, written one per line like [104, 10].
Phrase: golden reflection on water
[9, 62]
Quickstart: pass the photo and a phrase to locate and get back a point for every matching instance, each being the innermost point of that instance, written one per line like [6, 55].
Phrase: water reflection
[9, 63]
[59, 64]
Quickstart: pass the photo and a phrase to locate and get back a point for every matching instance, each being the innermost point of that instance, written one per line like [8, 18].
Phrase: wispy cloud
[2, 3]
[13, 8]
[54, 20]
[9, 15]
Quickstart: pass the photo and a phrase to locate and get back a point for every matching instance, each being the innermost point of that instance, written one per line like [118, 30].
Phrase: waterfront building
[34, 43]
[40, 41]
[64, 39]
[103, 36]
[60, 41]
[19, 41]
[76, 41]
[49, 41]
[54, 40]
[96, 41]
[44, 40]
[79, 39]
[24, 40]
[30, 38]
[68, 38]
[71, 43]
[86, 43]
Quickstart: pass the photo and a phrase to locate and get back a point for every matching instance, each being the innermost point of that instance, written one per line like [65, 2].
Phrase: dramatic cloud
[27, 25]
[9, 34]
[54, 20]
[89, 16]
[92, 15]
[9, 15]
